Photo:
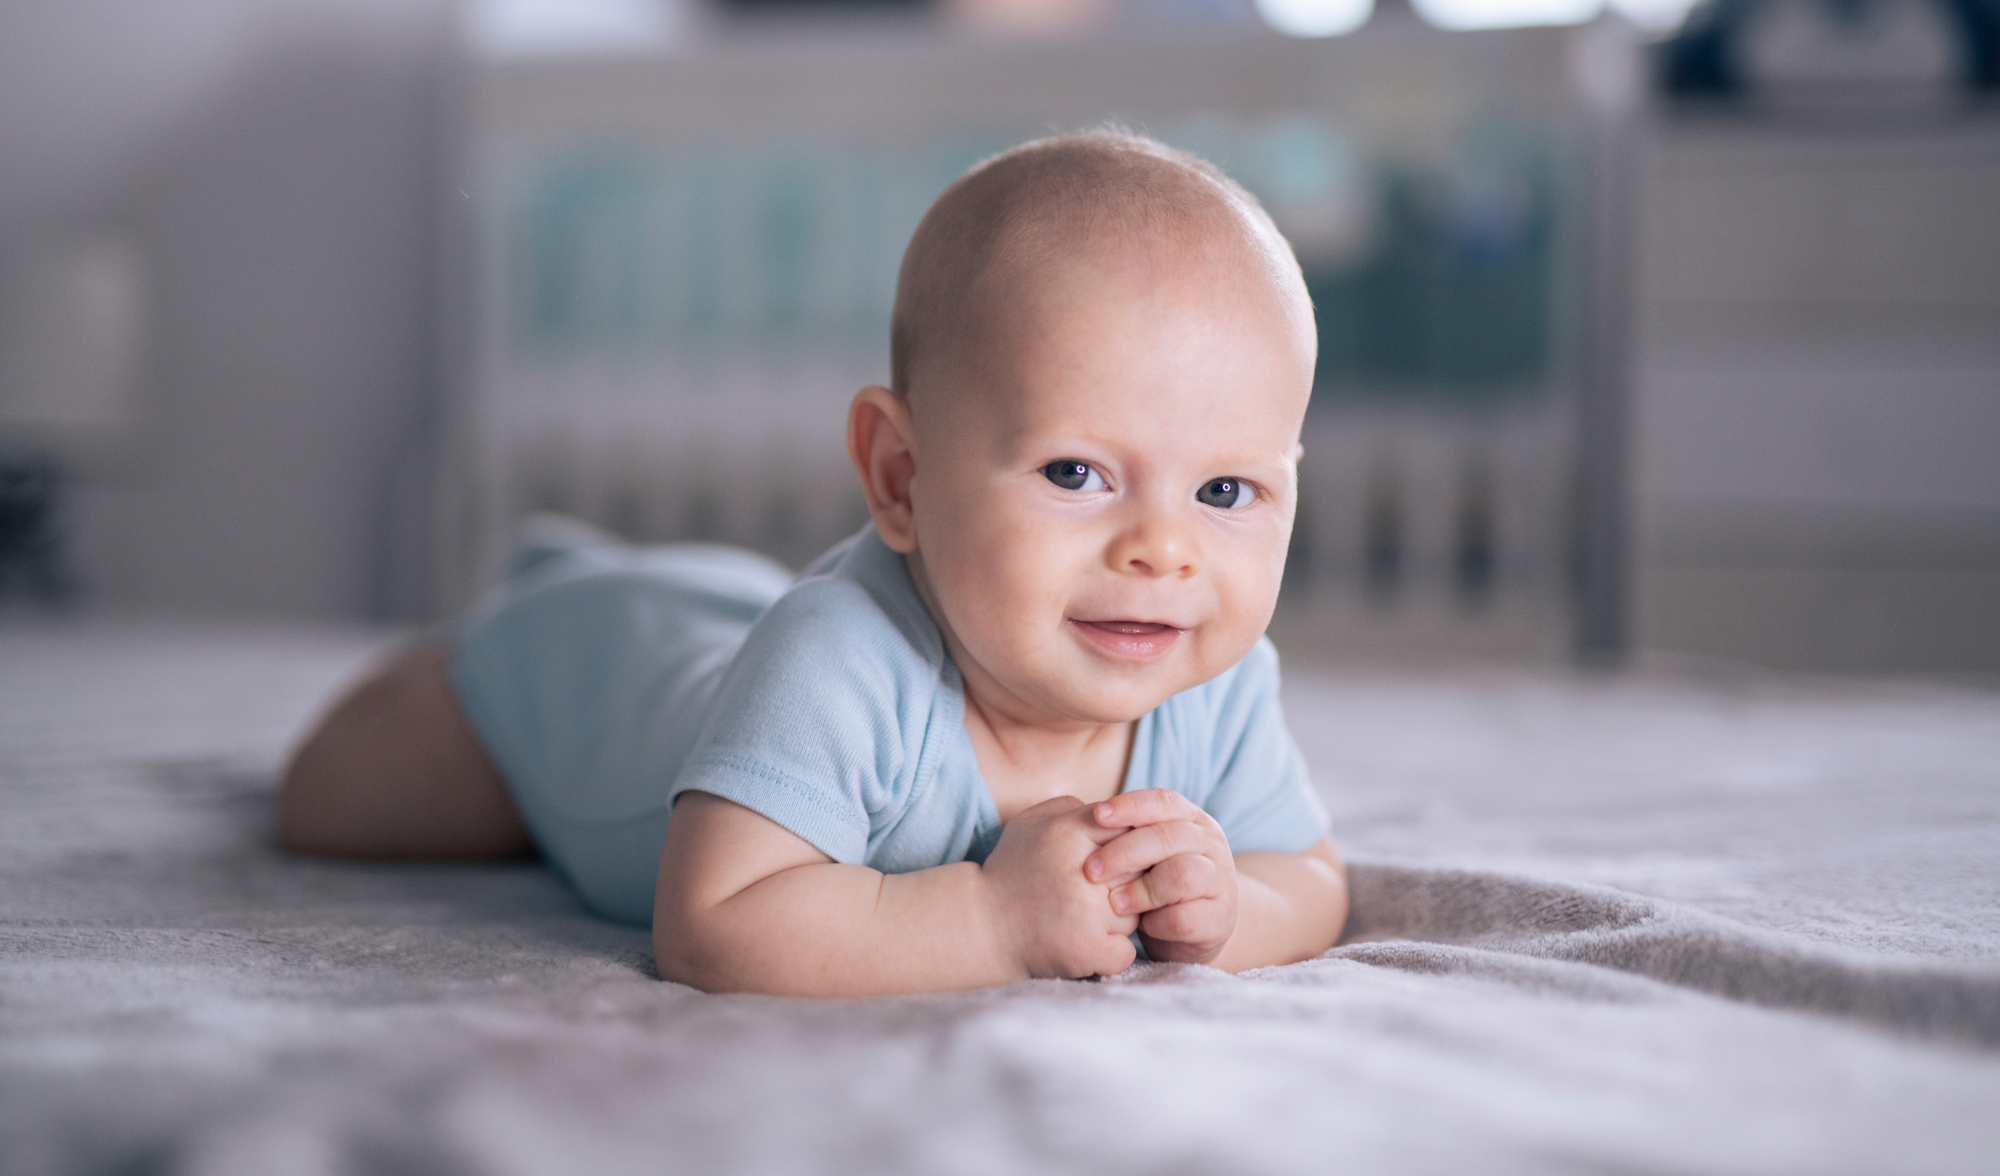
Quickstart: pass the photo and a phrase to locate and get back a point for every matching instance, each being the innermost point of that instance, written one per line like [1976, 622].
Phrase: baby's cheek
[1004, 593]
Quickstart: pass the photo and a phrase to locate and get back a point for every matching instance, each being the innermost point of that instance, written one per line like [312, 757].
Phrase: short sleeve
[1225, 746]
[820, 722]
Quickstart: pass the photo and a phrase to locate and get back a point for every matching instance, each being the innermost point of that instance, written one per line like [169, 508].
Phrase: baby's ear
[881, 441]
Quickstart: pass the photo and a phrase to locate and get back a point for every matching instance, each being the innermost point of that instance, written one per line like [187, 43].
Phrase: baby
[1025, 714]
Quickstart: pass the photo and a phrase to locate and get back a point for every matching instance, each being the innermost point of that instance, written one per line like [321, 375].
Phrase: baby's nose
[1156, 547]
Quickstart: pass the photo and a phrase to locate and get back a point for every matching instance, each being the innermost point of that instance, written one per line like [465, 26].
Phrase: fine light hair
[1040, 203]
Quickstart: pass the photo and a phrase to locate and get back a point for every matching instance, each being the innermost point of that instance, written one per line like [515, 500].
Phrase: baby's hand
[1169, 863]
[1059, 922]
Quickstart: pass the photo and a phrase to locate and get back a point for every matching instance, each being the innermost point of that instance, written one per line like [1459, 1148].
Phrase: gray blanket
[1657, 923]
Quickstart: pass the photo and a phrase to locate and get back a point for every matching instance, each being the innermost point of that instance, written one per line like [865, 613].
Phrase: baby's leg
[394, 771]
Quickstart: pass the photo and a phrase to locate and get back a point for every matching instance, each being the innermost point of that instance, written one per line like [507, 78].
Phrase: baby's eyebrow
[1251, 463]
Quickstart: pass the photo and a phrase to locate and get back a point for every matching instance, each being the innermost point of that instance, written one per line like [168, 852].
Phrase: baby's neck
[1026, 763]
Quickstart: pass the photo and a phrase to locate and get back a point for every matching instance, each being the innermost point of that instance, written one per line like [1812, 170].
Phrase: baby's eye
[1073, 475]
[1226, 494]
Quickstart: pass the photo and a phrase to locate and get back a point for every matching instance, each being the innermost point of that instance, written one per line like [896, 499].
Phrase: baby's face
[1103, 497]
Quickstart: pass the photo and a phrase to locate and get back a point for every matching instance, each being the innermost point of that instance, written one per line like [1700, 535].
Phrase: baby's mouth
[1133, 639]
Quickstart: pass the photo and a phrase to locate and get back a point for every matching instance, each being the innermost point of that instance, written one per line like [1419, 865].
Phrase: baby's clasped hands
[1168, 863]
[1058, 921]
[1075, 880]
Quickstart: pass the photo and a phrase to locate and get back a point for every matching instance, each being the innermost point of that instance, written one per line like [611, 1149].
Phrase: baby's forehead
[1119, 340]
[1048, 274]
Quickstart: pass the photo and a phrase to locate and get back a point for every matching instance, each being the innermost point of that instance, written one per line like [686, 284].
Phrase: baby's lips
[1136, 628]
[1141, 640]
[1133, 626]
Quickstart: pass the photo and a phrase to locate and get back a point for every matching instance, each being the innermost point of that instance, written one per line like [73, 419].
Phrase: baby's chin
[1100, 711]
[1115, 694]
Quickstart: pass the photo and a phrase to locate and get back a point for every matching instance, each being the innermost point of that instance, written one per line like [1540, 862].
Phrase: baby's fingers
[1145, 806]
[1138, 850]
[1181, 878]
[1187, 931]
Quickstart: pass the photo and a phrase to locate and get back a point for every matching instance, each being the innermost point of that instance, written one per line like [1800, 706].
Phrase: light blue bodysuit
[606, 680]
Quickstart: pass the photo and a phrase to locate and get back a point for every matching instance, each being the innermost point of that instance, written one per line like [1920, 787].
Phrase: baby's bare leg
[394, 771]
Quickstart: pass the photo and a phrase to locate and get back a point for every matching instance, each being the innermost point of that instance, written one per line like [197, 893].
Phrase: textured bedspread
[1644, 924]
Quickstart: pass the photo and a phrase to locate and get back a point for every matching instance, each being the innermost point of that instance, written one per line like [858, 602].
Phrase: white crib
[674, 269]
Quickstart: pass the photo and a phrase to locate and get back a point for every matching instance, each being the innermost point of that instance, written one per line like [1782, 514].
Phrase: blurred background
[1644, 328]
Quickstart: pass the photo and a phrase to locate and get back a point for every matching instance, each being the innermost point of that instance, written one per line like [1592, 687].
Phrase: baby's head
[1101, 358]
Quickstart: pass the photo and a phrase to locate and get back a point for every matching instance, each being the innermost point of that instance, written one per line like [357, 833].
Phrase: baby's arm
[1201, 904]
[745, 905]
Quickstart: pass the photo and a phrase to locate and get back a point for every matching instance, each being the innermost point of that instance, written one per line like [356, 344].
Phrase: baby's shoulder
[825, 715]
[836, 628]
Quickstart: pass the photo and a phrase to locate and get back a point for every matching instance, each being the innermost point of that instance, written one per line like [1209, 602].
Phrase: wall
[271, 163]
